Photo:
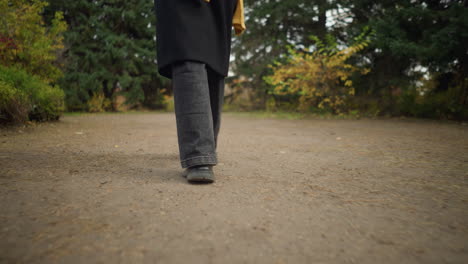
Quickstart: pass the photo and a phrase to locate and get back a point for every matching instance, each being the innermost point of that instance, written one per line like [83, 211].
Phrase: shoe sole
[200, 180]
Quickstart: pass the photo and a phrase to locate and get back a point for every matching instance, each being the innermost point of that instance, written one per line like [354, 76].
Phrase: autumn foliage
[25, 42]
[320, 78]
[28, 62]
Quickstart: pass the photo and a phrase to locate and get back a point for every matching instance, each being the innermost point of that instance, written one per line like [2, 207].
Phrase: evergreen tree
[413, 38]
[110, 50]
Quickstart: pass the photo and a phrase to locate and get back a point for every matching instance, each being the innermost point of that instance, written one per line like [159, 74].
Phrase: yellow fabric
[238, 21]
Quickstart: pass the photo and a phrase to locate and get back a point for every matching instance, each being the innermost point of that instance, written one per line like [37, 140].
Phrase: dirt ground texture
[107, 188]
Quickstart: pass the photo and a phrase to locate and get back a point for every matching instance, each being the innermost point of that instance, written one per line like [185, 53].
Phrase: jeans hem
[200, 160]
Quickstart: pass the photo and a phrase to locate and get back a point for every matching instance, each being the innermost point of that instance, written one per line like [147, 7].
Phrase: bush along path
[107, 188]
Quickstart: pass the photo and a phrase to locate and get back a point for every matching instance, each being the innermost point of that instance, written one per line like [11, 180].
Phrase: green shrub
[169, 103]
[444, 104]
[49, 104]
[99, 103]
[26, 97]
[13, 104]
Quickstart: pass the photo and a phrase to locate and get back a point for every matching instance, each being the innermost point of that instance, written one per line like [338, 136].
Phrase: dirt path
[107, 189]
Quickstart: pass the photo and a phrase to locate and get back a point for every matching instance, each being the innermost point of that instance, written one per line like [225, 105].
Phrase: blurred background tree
[272, 26]
[418, 56]
[110, 54]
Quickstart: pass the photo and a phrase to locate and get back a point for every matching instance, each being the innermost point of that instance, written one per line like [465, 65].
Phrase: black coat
[194, 30]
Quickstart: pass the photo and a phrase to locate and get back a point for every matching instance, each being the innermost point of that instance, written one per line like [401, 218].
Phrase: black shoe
[200, 174]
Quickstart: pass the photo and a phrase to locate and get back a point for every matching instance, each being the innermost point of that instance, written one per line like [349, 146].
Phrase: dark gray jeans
[198, 99]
